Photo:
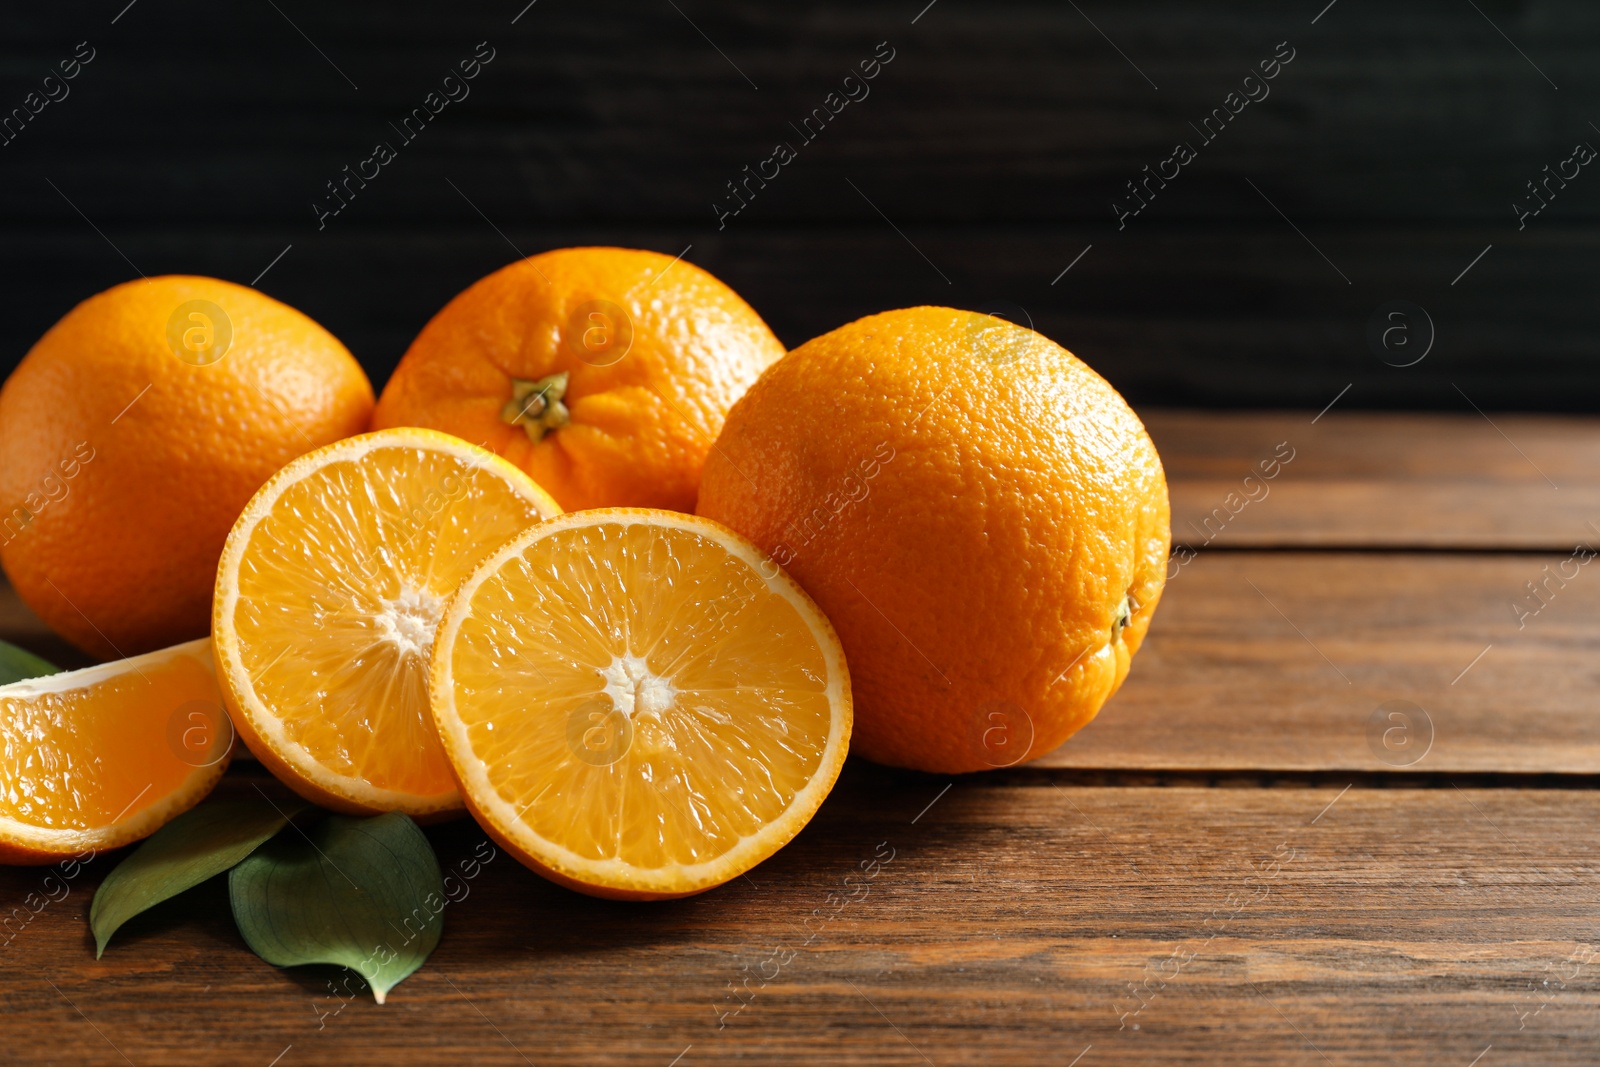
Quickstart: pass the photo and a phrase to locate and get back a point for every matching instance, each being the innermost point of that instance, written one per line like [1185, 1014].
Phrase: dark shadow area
[997, 152]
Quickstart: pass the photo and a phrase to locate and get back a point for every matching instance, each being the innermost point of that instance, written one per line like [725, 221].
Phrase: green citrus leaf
[365, 894]
[199, 844]
[18, 665]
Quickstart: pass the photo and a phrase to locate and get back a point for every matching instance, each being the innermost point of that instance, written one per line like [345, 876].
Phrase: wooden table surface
[1232, 864]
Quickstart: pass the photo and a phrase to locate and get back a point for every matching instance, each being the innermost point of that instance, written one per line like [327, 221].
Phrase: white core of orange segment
[634, 690]
[409, 621]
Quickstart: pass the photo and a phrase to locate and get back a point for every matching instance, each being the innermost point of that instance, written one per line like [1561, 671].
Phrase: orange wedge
[639, 704]
[328, 594]
[95, 759]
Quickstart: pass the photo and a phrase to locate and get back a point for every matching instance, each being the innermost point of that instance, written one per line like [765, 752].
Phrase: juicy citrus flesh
[639, 704]
[655, 349]
[96, 758]
[328, 598]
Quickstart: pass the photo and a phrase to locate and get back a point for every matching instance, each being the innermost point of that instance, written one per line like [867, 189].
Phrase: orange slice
[95, 759]
[639, 704]
[328, 594]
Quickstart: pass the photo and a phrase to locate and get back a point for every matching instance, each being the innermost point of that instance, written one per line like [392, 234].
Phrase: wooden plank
[1380, 480]
[1179, 924]
[1281, 661]
[1225, 682]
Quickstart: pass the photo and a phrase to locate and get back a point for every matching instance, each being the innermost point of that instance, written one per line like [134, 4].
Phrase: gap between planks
[1258, 778]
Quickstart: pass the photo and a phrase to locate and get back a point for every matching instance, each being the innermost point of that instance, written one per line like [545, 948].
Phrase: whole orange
[604, 373]
[982, 517]
[132, 435]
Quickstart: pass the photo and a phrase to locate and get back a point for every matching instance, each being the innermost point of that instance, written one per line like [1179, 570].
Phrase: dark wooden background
[1396, 141]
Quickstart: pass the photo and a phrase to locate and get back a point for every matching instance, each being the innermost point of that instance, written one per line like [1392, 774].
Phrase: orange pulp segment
[328, 594]
[97, 758]
[638, 703]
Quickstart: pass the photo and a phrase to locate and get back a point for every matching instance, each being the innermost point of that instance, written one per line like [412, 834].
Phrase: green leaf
[18, 665]
[359, 893]
[199, 844]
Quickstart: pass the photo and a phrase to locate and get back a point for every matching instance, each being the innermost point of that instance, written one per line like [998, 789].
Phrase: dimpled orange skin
[641, 427]
[969, 504]
[123, 558]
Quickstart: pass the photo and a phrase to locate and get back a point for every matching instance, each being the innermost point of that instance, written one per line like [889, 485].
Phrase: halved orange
[639, 704]
[328, 594]
[95, 759]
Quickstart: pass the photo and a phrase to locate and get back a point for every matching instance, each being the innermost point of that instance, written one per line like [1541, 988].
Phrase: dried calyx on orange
[603, 373]
[639, 704]
[981, 515]
[327, 597]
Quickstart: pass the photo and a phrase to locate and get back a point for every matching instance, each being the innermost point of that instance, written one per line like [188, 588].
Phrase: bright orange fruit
[134, 431]
[604, 373]
[981, 515]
